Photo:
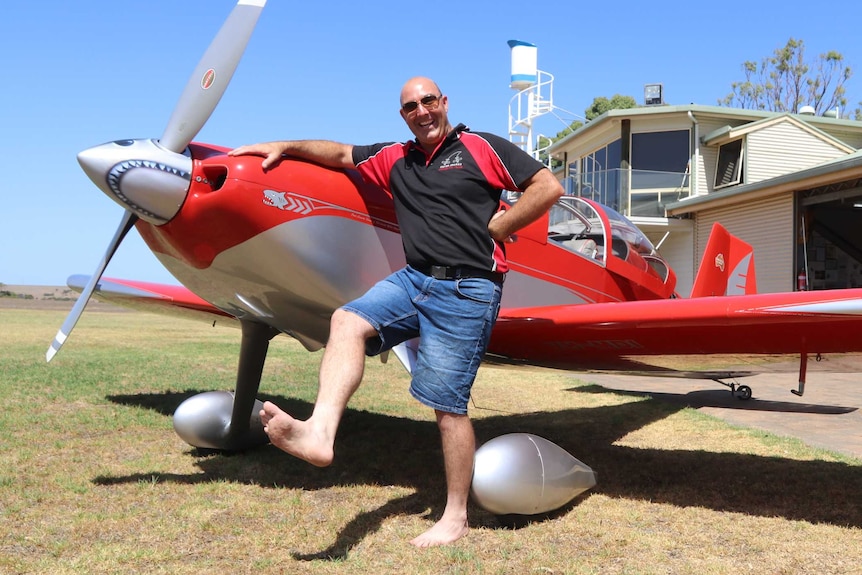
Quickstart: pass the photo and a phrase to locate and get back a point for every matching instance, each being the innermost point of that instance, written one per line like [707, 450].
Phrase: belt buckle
[439, 272]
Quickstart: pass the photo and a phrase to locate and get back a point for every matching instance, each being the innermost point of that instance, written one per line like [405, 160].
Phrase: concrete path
[828, 415]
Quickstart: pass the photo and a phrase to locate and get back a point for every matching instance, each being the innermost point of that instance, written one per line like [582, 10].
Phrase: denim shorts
[453, 320]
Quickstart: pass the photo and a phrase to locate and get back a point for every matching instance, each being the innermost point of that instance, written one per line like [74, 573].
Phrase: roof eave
[842, 169]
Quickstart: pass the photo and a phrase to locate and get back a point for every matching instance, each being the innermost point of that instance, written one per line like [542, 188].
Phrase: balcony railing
[633, 193]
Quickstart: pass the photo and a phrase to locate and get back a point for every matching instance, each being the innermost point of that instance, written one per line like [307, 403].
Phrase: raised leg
[340, 375]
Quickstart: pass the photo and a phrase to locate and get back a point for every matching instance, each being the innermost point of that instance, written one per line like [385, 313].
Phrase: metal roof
[818, 122]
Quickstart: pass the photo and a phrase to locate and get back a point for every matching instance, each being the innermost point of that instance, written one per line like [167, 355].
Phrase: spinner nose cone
[141, 176]
[95, 164]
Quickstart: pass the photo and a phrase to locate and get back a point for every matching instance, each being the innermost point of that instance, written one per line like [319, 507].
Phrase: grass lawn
[94, 480]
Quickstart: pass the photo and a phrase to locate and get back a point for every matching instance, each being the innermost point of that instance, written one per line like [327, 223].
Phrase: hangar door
[767, 224]
[833, 252]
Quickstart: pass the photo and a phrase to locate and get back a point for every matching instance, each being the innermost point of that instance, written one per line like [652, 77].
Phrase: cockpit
[599, 233]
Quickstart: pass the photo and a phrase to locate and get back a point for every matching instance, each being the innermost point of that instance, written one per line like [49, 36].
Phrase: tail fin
[727, 267]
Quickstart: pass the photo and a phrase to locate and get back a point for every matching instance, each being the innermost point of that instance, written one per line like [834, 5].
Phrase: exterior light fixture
[653, 95]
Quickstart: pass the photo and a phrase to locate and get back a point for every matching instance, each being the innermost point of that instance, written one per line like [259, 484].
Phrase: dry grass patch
[93, 479]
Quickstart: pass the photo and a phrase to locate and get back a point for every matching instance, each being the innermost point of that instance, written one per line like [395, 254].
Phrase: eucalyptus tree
[786, 81]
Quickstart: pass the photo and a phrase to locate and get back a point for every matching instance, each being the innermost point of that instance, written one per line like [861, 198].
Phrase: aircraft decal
[597, 344]
[303, 205]
[120, 170]
[719, 261]
[208, 79]
[739, 276]
[846, 307]
[291, 203]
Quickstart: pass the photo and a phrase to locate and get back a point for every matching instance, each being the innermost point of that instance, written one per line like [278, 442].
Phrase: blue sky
[77, 74]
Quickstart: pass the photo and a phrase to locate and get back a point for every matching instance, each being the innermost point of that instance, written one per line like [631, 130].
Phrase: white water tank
[524, 64]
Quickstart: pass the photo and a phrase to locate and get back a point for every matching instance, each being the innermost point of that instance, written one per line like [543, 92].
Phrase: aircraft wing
[175, 301]
[632, 336]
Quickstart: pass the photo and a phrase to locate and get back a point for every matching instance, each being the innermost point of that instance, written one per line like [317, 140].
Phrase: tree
[543, 143]
[784, 82]
[599, 106]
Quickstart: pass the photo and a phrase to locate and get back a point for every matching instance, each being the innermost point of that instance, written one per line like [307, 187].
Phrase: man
[446, 185]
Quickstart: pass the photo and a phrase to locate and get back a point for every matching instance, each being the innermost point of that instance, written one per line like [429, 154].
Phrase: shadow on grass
[724, 399]
[380, 449]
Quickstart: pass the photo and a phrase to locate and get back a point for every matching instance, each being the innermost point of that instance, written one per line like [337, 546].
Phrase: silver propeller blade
[126, 224]
[160, 176]
[211, 77]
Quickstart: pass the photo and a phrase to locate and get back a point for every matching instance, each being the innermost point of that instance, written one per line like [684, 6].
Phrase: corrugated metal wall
[708, 157]
[784, 148]
[677, 250]
[767, 224]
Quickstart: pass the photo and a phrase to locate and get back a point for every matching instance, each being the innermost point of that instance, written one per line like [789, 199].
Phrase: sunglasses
[429, 102]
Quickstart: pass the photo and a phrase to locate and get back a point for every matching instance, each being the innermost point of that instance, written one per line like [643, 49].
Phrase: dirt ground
[47, 298]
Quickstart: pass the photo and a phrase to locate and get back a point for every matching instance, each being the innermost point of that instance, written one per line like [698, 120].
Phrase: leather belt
[459, 272]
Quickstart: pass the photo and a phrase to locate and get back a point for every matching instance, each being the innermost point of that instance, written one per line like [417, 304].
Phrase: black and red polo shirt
[445, 200]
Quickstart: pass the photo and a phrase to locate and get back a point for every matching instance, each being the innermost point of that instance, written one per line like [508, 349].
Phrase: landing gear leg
[224, 420]
[252, 355]
[803, 366]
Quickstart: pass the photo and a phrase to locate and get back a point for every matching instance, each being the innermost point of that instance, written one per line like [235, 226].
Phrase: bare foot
[443, 532]
[295, 437]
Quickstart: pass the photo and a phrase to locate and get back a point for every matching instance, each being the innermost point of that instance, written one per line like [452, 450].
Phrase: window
[659, 171]
[599, 174]
[661, 151]
[728, 171]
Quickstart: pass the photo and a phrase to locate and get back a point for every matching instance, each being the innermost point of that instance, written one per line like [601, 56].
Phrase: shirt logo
[452, 161]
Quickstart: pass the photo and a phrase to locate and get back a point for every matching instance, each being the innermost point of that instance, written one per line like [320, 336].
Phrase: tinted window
[660, 151]
[729, 169]
[615, 154]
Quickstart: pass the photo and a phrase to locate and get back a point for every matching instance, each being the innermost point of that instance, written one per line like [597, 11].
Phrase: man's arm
[540, 192]
[328, 153]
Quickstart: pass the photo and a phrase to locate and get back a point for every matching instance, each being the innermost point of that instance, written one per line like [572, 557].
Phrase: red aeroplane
[278, 251]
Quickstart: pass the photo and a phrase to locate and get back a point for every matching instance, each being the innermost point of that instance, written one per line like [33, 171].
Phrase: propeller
[126, 224]
[149, 178]
[211, 77]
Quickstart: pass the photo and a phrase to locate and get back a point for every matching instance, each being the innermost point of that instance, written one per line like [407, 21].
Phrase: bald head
[425, 110]
[418, 84]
